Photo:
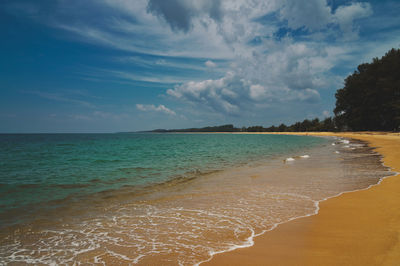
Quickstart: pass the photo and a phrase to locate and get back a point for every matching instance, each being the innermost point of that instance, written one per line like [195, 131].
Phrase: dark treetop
[370, 99]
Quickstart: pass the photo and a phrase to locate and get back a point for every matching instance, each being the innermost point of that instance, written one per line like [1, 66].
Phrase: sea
[164, 199]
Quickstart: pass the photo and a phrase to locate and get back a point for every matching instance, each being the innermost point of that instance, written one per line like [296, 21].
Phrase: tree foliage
[223, 128]
[370, 98]
[307, 125]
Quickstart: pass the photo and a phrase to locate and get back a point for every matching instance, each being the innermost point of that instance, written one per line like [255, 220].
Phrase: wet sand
[355, 228]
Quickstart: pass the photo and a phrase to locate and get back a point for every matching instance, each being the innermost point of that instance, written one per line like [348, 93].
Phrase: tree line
[223, 128]
[307, 125]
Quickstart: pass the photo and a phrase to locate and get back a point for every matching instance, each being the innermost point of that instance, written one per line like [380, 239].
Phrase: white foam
[290, 159]
[337, 151]
[333, 144]
[225, 220]
[250, 242]
[305, 156]
[316, 204]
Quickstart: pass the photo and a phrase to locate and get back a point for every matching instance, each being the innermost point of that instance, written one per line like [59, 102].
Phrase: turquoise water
[40, 168]
[163, 199]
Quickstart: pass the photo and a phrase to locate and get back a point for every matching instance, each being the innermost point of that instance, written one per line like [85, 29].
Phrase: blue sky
[119, 65]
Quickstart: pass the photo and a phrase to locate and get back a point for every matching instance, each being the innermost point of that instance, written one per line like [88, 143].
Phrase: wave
[250, 241]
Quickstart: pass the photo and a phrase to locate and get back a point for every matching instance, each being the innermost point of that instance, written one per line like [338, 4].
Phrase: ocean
[163, 198]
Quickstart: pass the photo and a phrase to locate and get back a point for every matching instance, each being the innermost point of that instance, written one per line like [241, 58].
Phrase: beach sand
[355, 228]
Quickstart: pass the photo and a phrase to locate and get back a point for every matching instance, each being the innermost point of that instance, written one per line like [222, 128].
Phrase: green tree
[370, 99]
[255, 129]
[305, 125]
[282, 128]
[328, 125]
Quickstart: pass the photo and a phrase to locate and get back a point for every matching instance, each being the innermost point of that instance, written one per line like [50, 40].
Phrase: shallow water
[38, 168]
[186, 220]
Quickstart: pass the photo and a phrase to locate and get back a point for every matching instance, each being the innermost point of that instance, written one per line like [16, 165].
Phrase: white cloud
[345, 16]
[210, 64]
[235, 95]
[271, 72]
[257, 91]
[217, 94]
[152, 108]
[307, 95]
[202, 29]
[133, 26]
[312, 14]
[317, 14]
[180, 13]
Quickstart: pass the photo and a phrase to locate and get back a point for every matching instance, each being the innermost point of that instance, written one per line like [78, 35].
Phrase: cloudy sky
[127, 65]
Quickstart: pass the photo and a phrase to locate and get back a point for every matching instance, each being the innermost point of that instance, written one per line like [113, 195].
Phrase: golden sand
[356, 228]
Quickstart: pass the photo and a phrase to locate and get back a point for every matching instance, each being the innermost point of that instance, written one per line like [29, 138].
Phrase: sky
[69, 66]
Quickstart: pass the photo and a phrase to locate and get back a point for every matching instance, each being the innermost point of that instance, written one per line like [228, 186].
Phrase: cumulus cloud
[152, 108]
[317, 14]
[210, 64]
[312, 14]
[220, 95]
[291, 72]
[345, 16]
[232, 94]
[307, 95]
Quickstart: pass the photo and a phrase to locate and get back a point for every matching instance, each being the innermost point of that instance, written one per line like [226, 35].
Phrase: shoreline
[306, 183]
[185, 203]
[299, 242]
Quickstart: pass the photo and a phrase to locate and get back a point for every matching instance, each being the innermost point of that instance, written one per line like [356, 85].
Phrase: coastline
[359, 227]
[182, 216]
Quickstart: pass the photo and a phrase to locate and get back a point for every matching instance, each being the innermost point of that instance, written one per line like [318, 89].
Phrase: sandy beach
[355, 228]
